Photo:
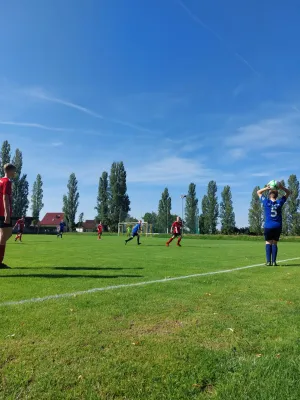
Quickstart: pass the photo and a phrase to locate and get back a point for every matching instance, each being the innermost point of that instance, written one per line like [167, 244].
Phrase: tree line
[113, 203]
[290, 212]
[204, 223]
[20, 185]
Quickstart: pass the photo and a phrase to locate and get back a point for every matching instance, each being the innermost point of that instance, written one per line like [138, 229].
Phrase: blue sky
[181, 91]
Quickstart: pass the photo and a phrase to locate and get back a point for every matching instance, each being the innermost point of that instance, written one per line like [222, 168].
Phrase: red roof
[89, 224]
[52, 219]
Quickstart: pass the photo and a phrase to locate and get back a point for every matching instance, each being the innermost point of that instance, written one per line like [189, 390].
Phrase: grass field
[231, 336]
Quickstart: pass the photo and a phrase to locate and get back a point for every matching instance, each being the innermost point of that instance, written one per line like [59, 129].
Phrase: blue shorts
[272, 234]
[135, 234]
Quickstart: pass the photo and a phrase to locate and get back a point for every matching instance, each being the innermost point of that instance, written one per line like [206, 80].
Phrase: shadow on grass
[12, 241]
[59, 276]
[288, 265]
[93, 269]
[80, 268]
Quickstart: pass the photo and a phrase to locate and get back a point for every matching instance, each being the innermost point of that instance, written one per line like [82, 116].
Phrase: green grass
[229, 336]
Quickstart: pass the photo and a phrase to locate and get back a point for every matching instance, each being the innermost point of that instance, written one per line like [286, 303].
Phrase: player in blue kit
[61, 229]
[273, 219]
[135, 233]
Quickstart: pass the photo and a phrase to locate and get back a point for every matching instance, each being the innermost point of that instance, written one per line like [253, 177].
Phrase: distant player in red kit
[20, 226]
[176, 232]
[6, 209]
[100, 230]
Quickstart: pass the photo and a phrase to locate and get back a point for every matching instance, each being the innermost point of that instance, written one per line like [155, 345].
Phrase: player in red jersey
[20, 226]
[6, 209]
[176, 232]
[100, 230]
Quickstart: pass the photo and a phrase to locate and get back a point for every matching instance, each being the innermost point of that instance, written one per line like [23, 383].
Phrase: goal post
[125, 228]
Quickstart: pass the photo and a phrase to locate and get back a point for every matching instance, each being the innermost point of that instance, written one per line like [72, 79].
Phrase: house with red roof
[89, 225]
[51, 221]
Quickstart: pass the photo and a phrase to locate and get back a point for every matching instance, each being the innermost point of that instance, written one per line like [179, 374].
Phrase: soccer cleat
[4, 266]
[275, 264]
[178, 244]
[167, 244]
[125, 242]
[268, 264]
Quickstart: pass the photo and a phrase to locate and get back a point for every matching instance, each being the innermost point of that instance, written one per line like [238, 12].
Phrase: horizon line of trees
[113, 203]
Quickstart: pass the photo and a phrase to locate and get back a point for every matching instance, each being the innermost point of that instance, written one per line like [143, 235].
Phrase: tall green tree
[213, 208]
[37, 199]
[20, 187]
[151, 218]
[204, 221]
[191, 209]
[164, 220]
[119, 203]
[226, 212]
[71, 202]
[285, 225]
[255, 216]
[293, 206]
[80, 220]
[4, 156]
[129, 218]
[103, 200]
[65, 210]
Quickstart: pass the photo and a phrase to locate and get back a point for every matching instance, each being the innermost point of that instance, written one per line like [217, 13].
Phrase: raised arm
[260, 192]
[286, 191]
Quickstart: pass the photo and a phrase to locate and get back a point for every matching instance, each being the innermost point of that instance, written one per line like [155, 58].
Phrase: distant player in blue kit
[135, 233]
[273, 219]
[61, 229]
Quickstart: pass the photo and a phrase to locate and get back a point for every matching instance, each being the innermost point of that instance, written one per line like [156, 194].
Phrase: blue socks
[269, 252]
[274, 252]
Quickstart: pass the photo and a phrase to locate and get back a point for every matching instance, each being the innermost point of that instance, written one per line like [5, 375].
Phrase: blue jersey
[273, 212]
[62, 226]
[136, 228]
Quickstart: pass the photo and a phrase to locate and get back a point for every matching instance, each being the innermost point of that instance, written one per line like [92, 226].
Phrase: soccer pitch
[231, 335]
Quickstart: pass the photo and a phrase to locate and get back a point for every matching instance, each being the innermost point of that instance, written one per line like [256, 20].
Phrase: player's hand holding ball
[273, 184]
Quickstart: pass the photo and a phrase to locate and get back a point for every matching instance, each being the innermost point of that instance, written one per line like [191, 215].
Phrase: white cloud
[261, 174]
[238, 90]
[191, 147]
[57, 144]
[214, 33]
[35, 125]
[236, 154]
[171, 169]
[277, 133]
[39, 93]
[178, 170]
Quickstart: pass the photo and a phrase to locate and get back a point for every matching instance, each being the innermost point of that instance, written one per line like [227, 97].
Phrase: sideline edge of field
[106, 288]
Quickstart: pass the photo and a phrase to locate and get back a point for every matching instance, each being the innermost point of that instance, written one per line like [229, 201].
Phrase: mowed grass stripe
[44, 265]
[103, 289]
[224, 336]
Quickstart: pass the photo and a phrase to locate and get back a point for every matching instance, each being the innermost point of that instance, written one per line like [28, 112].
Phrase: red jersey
[100, 228]
[20, 224]
[5, 188]
[176, 227]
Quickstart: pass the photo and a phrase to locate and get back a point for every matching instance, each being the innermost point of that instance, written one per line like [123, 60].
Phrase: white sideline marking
[106, 288]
